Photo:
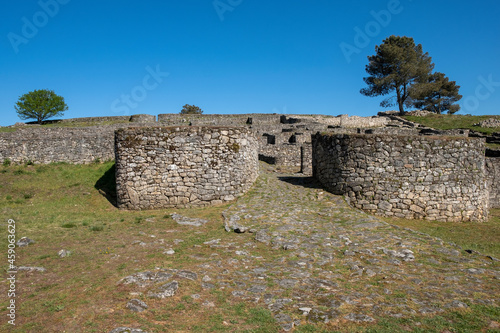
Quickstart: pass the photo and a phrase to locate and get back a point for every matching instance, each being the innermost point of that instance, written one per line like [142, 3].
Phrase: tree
[396, 66]
[191, 109]
[40, 105]
[436, 94]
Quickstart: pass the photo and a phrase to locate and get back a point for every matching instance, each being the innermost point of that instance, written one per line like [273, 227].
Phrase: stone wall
[436, 178]
[493, 180]
[162, 167]
[283, 155]
[218, 119]
[306, 159]
[48, 145]
[95, 119]
[347, 121]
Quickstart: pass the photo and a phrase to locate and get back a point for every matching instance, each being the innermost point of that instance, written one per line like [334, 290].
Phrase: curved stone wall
[436, 178]
[163, 167]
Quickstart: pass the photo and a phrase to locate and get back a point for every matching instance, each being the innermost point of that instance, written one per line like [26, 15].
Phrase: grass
[85, 123]
[71, 207]
[482, 237]
[447, 122]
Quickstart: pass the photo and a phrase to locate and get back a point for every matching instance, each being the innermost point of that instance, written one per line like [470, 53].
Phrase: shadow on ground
[307, 182]
[107, 185]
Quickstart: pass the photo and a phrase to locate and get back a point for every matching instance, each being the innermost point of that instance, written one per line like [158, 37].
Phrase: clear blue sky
[236, 56]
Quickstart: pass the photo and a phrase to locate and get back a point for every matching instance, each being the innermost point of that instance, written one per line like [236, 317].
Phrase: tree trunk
[400, 102]
[401, 109]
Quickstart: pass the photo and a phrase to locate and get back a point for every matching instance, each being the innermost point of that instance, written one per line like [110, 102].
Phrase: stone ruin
[282, 140]
[413, 177]
[162, 167]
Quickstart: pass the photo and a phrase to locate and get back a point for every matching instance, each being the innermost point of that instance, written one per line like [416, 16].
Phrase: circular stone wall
[164, 167]
[416, 177]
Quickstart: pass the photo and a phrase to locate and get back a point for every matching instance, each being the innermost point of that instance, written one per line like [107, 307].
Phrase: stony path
[330, 262]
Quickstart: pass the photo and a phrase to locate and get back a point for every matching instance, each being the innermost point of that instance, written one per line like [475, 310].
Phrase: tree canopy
[436, 94]
[396, 66]
[40, 105]
[191, 109]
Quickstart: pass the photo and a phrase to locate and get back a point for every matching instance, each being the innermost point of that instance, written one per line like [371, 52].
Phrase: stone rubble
[24, 241]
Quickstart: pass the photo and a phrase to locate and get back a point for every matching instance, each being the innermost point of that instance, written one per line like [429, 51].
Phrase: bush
[191, 109]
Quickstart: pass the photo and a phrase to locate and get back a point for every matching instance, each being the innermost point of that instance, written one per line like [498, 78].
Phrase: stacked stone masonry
[283, 140]
[415, 177]
[493, 180]
[163, 167]
[52, 145]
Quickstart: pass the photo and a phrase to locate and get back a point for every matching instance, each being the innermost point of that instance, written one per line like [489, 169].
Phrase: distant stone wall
[283, 155]
[218, 119]
[162, 167]
[96, 119]
[349, 121]
[436, 178]
[493, 179]
[142, 118]
[48, 145]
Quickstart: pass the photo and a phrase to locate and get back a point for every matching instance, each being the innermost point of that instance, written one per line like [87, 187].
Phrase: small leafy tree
[40, 105]
[396, 66]
[191, 109]
[436, 94]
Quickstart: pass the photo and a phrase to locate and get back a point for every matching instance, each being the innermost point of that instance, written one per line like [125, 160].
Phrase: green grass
[482, 237]
[447, 122]
[85, 123]
[71, 207]
[7, 129]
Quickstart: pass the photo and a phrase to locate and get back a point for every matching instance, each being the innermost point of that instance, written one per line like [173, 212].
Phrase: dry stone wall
[493, 180]
[436, 178]
[48, 145]
[163, 167]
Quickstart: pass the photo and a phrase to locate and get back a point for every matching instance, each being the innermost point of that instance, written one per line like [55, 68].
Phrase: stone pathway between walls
[330, 262]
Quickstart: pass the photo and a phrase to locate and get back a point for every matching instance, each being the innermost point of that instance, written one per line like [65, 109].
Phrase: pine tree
[436, 94]
[396, 66]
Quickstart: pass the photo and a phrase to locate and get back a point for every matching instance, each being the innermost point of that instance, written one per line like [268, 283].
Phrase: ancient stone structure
[143, 118]
[283, 140]
[436, 178]
[161, 167]
[493, 180]
[49, 145]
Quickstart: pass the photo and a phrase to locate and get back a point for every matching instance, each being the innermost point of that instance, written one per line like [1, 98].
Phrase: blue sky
[111, 58]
